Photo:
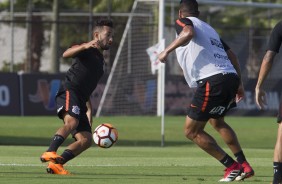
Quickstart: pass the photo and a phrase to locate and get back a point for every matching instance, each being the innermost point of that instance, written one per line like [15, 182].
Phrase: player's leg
[212, 99]
[277, 158]
[70, 123]
[83, 140]
[64, 100]
[82, 143]
[56, 164]
[230, 138]
[227, 134]
[82, 135]
[194, 130]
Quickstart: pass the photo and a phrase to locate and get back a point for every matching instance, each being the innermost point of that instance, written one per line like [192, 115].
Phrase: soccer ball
[105, 135]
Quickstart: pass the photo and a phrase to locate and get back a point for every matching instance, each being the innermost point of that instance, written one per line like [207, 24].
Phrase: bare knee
[192, 128]
[70, 122]
[85, 140]
[218, 124]
[190, 134]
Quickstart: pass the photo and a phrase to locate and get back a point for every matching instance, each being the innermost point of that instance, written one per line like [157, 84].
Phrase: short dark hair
[104, 22]
[189, 6]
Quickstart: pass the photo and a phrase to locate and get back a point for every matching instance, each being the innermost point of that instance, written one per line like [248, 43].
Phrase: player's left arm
[234, 61]
[89, 111]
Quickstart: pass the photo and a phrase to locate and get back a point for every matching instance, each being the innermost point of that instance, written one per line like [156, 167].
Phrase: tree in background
[71, 29]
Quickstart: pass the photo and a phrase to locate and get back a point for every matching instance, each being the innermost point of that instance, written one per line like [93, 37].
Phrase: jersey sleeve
[225, 46]
[275, 40]
[181, 23]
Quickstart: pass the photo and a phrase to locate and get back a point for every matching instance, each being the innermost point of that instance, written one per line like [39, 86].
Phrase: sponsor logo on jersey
[217, 43]
[217, 110]
[219, 56]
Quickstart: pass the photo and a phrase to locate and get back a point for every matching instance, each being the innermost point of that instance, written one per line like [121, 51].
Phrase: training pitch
[137, 157]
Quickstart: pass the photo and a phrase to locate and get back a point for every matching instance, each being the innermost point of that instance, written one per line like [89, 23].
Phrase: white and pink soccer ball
[105, 135]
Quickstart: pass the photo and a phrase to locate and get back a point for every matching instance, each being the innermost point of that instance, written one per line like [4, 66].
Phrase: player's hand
[90, 44]
[162, 56]
[240, 93]
[261, 98]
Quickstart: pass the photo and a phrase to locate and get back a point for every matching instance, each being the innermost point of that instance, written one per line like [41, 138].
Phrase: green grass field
[137, 157]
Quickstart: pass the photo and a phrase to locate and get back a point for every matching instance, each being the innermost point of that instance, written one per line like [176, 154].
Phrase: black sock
[277, 170]
[56, 142]
[67, 155]
[240, 157]
[227, 161]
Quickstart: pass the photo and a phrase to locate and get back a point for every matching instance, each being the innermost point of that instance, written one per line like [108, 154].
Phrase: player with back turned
[73, 97]
[211, 67]
[274, 45]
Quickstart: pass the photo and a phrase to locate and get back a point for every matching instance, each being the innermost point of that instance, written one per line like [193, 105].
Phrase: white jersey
[204, 55]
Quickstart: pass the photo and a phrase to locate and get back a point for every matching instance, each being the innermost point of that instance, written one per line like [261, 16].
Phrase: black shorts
[69, 101]
[214, 96]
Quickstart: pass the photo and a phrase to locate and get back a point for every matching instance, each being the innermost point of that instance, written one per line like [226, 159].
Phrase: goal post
[161, 73]
[113, 69]
[131, 88]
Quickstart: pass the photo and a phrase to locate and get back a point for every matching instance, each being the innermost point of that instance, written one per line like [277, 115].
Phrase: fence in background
[247, 35]
[34, 95]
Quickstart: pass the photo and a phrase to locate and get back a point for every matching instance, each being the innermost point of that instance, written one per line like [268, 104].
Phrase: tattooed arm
[264, 70]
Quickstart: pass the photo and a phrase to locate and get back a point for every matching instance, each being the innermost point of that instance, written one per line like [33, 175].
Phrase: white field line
[39, 165]
[100, 165]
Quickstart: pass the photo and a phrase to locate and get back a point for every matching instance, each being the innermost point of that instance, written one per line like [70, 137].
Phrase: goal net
[131, 88]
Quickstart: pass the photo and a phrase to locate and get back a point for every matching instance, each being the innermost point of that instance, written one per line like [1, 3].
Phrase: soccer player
[272, 49]
[73, 97]
[211, 67]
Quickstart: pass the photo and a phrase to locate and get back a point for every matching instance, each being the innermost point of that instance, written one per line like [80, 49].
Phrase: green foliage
[73, 30]
[115, 5]
[4, 5]
[17, 67]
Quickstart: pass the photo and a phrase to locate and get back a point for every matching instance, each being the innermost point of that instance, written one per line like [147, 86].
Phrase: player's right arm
[74, 50]
[274, 45]
[185, 31]
[264, 70]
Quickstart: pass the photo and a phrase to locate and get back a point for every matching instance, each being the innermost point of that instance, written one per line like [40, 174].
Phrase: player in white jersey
[212, 68]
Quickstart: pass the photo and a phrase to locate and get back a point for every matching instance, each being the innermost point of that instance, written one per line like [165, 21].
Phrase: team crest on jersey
[75, 110]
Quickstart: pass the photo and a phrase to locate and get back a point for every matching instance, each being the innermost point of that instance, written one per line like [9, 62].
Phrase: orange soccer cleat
[51, 156]
[53, 168]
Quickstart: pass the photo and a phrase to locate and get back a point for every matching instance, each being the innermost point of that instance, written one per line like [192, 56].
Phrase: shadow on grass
[31, 141]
